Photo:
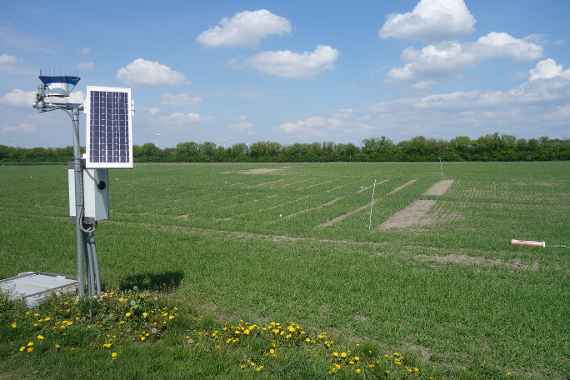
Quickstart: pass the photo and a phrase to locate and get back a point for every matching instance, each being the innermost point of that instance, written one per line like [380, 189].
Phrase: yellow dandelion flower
[128, 315]
[358, 371]
[22, 349]
[30, 344]
[397, 362]
[13, 325]
[343, 355]
[40, 337]
[114, 355]
[30, 349]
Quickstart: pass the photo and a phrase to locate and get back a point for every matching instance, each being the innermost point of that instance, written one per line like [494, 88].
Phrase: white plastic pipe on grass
[528, 243]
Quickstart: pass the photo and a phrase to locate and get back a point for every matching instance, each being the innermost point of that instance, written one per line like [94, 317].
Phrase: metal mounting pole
[78, 177]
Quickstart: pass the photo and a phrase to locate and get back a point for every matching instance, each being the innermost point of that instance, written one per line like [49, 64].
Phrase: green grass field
[264, 242]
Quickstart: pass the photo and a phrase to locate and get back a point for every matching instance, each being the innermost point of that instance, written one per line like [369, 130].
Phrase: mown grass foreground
[255, 242]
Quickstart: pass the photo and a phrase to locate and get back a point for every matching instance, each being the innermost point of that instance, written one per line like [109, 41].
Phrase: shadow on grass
[164, 281]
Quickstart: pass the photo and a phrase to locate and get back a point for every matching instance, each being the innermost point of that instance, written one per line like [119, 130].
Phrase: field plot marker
[371, 205]
[368, 187]
[344, 216]
[326, 204]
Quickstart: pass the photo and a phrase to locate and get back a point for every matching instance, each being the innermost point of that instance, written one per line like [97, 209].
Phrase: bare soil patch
[416, 214]
[439, 188]
[515, 265]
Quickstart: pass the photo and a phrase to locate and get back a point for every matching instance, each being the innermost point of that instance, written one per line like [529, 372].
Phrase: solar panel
[109, 127]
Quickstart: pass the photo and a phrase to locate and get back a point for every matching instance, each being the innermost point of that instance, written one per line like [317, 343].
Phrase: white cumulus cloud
[534, 108]
[288, 64]
[181, 99]
[548, 69]
[245, 28]
[149, 73]
[18, 98]
[343, 123]
[430, 20]
[497, 44]
[449, 57]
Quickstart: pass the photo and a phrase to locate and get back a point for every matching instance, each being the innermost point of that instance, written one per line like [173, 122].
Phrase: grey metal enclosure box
[95, 193]
[34, 288]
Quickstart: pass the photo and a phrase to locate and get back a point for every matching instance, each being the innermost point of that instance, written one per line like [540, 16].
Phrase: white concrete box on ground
[95, 193]
[34, 288]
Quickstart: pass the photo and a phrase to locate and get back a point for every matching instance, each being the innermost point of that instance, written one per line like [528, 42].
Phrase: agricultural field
[424, 267]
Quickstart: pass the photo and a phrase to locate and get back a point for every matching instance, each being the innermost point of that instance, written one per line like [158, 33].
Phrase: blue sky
[295, 71]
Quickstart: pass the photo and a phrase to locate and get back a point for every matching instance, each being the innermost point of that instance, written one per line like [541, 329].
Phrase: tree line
[493, 147]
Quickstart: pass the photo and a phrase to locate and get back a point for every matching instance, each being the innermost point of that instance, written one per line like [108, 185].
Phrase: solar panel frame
[120, 158]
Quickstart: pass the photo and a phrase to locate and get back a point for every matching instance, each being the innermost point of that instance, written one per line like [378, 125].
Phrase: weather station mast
[108, 144]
